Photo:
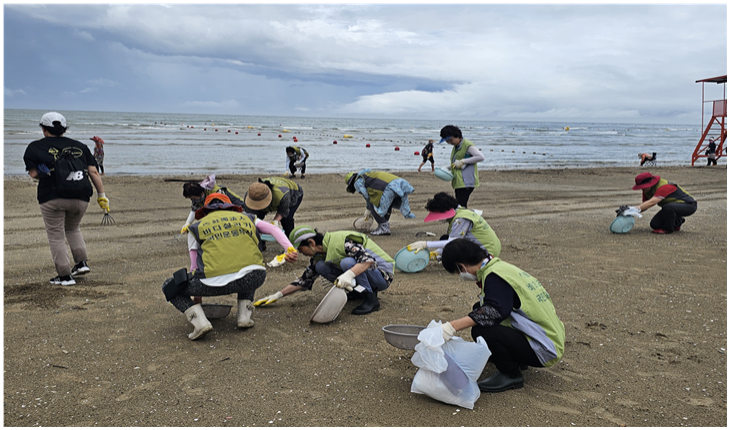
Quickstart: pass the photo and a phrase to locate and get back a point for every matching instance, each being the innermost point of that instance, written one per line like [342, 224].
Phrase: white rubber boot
[382, 230]
[245, 309]
[197, 318]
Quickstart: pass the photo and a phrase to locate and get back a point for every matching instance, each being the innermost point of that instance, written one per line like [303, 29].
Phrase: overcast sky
[602, 63]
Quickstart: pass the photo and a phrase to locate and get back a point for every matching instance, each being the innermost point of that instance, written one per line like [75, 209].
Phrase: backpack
[72, 173]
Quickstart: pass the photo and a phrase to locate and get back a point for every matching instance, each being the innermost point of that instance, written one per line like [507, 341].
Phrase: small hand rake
[107, 220]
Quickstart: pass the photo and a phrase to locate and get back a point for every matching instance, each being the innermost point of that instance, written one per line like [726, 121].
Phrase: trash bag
[448, 371]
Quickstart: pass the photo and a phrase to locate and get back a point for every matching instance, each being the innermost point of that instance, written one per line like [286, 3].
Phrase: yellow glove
[434, 256]
[269, 300]
[184, 229]
[103, 202]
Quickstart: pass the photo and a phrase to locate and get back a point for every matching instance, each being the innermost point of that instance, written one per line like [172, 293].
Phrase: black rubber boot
[501, 382]
[369, 304]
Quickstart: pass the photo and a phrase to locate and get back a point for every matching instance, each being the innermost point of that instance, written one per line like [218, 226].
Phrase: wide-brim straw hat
[258, 196]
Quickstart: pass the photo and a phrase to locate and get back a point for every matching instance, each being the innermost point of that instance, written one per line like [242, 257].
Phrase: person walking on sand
[675, 203]
[296, 158]
[463, 224]
[229, 262]
[464, 159]
[382, 192]
[514, 315]
[99, 153]
[427, 154]
[347, 258]
[63, 168]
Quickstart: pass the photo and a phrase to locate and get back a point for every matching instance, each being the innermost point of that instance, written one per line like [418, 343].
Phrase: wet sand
[645, 315]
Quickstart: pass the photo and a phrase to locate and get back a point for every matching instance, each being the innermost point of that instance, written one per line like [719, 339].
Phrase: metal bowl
[215, 311]
[403, 336]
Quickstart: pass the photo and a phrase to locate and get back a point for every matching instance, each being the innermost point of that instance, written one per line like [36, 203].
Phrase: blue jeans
[371, 280]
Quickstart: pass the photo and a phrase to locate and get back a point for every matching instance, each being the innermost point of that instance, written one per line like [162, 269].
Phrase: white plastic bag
[448, 371]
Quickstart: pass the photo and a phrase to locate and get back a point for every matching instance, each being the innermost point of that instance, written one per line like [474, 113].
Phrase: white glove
[269, 300]
[276, 224]
[448, 331]
[277, 261]
[346, 280]
[417, 246]
[633, 211]
[458, 164]
[367, 214]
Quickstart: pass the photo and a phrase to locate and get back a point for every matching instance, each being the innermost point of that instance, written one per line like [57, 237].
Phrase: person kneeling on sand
[463, 224]
[229, 262]
[674, 201]
[347, 258]
[514, 315]
[382, 192]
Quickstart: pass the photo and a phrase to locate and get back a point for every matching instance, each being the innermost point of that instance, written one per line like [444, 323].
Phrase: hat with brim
[645, 180]
[214, 202]
[300, 234]
[435, 216]
[258, 196]
[49, 118]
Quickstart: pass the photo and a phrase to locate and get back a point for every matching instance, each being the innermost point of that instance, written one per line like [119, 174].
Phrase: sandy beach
[645, 315]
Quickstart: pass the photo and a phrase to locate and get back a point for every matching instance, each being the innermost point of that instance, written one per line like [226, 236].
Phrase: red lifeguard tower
[717, 126]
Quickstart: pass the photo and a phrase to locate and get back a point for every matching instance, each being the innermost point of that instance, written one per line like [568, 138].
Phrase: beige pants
[62, 218]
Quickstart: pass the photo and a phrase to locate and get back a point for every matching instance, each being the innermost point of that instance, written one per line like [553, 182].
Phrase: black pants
[510, 348]
[383, 219]
[672, 216]
[462, 195]
[293, 168]
[287, 223]
[244, 287]
[711, 161]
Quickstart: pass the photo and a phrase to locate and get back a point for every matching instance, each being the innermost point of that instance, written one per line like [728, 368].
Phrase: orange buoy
[397, 149]
[416, 153]
[205, 129]
[367, 146]
[294, 137]
[236, 132]
[216, 129]
[279, 135]
[259, 134]
[334, 143]
[192, 126]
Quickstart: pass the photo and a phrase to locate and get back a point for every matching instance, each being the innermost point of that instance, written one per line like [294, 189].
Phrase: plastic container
[443, 174]
[622, 224]
[402, 336]
[215, 311]
[410, 261]
[330, 306]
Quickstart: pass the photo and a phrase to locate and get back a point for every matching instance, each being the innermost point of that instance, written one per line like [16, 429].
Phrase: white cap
[50, 117]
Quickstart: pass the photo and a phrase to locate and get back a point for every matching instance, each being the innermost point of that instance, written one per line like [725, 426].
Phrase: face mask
[466, 276]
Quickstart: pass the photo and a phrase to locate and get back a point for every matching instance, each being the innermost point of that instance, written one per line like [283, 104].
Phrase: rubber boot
[382, 230]
[245, 309]
[197, 318]
[501, 382]
[369, 304]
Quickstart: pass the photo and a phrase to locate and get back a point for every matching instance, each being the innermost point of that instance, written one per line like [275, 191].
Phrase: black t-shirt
[42, 152]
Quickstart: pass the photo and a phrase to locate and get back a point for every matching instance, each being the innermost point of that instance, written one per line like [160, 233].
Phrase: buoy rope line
[349, 136]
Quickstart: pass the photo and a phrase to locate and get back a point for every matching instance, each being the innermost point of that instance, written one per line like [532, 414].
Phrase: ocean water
[158, 144]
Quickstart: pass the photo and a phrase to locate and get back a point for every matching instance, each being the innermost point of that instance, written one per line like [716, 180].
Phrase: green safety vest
[679, 196]
[536, 303]
[299, 150]
[480, 229]
[228, 243]
[281, 187]
[376, 182]
[334, 247]
[468, 176]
